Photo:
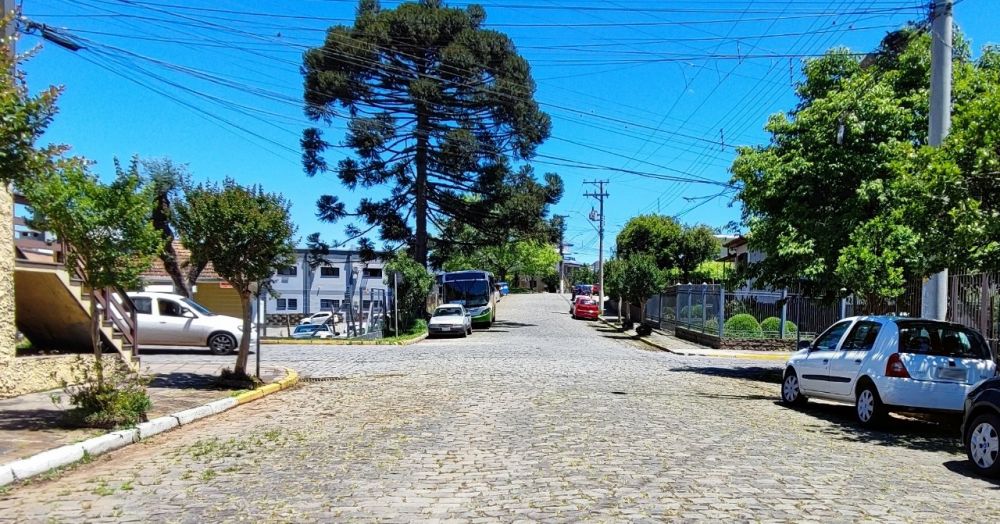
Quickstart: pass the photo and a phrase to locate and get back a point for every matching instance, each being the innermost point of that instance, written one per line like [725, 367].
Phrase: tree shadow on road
[754, 373]
[510, 323]
[186, 381]
[33, 419]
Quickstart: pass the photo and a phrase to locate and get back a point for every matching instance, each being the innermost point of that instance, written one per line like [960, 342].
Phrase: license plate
[952, 374]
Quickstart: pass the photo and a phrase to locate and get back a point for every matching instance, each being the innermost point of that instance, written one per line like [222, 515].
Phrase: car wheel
[790, 392]
[982, 444]
[868, 406]
[469, 330]
[221, 344]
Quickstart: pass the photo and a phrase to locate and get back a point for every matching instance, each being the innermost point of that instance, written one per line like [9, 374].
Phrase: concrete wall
[7, 329]
[22, 375]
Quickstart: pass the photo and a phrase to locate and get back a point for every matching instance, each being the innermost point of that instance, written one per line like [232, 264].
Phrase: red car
[584, 307]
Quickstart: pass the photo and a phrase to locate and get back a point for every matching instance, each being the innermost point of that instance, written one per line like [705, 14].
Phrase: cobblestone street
[540, 418]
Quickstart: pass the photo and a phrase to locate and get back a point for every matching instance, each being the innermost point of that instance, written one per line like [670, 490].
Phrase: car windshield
[469, 293]
[202, 310]
[306, 329]
[448, 311]
[941, 339]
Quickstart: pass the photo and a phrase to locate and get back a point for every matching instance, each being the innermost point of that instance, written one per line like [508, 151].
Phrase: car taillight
[895, 368]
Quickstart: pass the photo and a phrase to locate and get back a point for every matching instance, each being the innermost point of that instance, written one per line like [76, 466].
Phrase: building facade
[300, 289]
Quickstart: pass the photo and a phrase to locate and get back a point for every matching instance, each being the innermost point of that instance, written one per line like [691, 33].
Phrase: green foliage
[244, 232]
[657, 235]
[586, 275]
[413, 288]
[711, 326]
[25, 118]
[614, 278]
[846, 196]
[743, 326]
[107, 225]
[694, 312]
[698, 246]
[436, 106]
[640, 278]
[508, 259]
[772, 326]
[166, 181]
[106, 398]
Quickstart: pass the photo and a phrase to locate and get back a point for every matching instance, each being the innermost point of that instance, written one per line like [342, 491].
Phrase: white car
[166, 319]
[883, 364]
[320, 318]
[313, 331]
[450, 319]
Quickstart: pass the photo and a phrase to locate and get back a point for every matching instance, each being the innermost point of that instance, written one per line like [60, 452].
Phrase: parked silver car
[450, 319]
[166, 319]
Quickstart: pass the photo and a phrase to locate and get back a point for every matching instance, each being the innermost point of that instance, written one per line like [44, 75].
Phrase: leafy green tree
[244, 232]
[436, 106]
[697, 246]
[614, 283]
[849, 162]
[107, 225]
[658, 235]
[511, 259]
[586, 275]
[414, 287]
[640, 278]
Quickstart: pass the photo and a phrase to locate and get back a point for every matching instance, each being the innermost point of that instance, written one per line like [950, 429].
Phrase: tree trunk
[244, 353]
[95, 337]
[170, 265]
[420, 186]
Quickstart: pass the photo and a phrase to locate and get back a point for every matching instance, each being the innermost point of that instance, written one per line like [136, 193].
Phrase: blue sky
[651, 88]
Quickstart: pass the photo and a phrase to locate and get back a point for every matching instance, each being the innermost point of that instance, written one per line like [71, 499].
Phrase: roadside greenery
[107, 225]
[507, 260]
[116, 398]
[245, 233]
[414, 285]
[848, 195]
[437, 108]
[674, 247]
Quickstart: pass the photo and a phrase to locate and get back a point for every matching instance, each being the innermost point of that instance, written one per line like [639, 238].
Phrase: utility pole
[934, 303]
[600, 196]
[562, 233]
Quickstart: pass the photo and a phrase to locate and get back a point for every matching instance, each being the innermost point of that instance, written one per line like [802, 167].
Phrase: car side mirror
[804, 344]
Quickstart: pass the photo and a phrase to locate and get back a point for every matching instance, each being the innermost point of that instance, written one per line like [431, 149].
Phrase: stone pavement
[33, 423]
[541, 419]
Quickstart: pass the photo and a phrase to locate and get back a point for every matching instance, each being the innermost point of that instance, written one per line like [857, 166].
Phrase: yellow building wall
[224, 301]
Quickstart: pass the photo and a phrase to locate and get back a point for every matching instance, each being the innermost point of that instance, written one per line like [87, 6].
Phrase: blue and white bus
[474, 289]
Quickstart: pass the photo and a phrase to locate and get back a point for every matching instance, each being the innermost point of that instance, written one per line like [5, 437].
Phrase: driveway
[540, 418]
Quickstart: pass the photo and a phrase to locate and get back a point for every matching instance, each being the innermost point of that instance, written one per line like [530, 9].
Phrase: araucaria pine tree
[437, 108]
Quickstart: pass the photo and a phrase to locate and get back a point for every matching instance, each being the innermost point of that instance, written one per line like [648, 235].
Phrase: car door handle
[826, 361]
[857, 361]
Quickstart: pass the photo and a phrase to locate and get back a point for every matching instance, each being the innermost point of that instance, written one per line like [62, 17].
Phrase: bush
[711, 326]
[743, 325]
[120, 400]
[771, 326]
[735, 307]
[231, 379]
[695, 310]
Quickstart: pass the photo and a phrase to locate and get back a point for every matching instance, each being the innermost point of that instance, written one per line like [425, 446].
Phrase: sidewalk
[33, 423]
[667, 342]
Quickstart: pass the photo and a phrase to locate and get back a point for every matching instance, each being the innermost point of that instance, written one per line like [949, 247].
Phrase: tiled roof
[158, 274]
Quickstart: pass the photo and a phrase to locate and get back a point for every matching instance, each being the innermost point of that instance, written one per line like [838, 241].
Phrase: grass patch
[103, 489]
[208, 474]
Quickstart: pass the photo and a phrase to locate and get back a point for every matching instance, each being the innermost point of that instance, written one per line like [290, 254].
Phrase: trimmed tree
[641, 278]
[436, 107]
[113, 241]
[414, 287]
[244, 232]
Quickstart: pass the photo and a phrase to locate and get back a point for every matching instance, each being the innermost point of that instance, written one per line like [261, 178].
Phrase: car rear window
[586, 302]
[941, 339]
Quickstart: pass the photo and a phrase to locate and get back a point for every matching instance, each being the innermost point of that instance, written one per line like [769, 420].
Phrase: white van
[166, 319]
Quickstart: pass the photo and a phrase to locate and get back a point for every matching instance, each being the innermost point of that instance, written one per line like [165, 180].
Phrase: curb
[776, 357]
[327, 342]
[62, 456]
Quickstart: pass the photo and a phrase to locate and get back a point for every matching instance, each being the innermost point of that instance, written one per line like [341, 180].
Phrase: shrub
[743, 325]
[712, 326]
[735, 307]
[119, 400]
[695, 310]
[771, 326]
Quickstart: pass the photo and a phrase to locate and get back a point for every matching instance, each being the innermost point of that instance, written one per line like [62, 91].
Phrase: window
[372, 272]
[365, 304]
[327, 304]
[169, 308]
[288, 271]
[941, 339]
[831, 337]
[143, 305]
[288, 304]
[329, 272]
[862, 337]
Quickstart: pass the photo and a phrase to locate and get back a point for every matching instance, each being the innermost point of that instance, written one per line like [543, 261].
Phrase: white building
[346, 279]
